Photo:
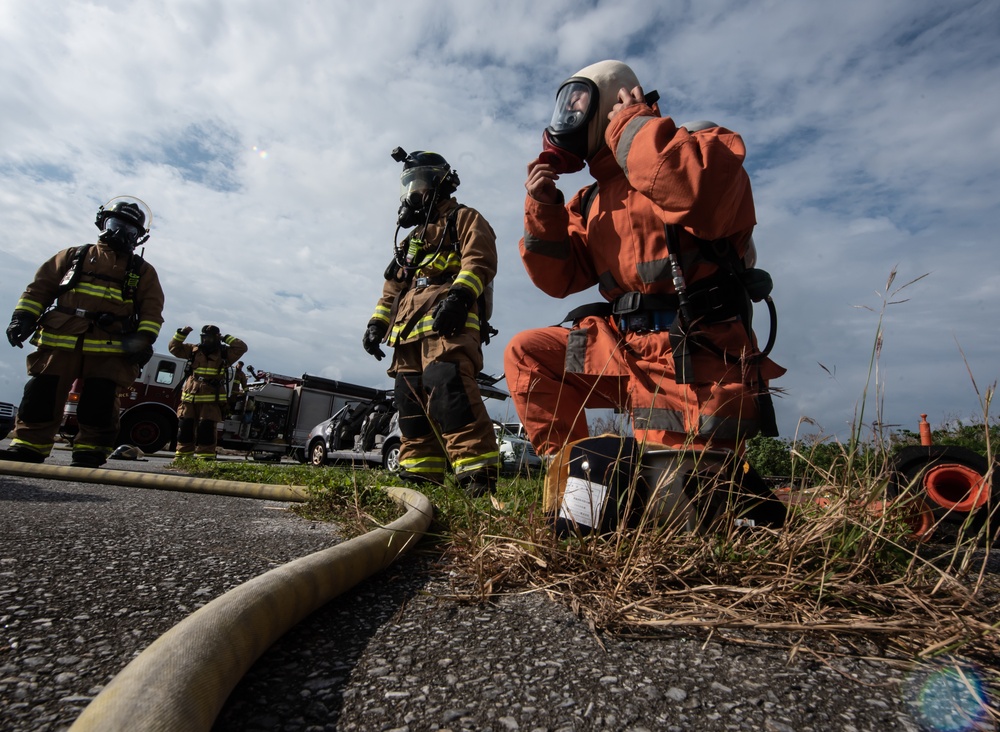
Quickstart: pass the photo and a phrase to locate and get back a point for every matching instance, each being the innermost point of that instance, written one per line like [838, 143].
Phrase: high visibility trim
[191, 398]
[471, 281]
[104, 292]
[424, 465]
[656, 270]
[178, 337]
[477, 462]
[32, 306]
[576, 351]
[625, 141]
[42, 448]
[546, 248]
[726, 428]
[209, 371]
[425, 327]
[80, 446]
[652, 418]
[68, 342]
[204, 456]
[149, 326]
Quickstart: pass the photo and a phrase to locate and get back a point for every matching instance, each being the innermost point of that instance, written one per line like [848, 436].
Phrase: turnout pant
[555, 373]
[51, 375]
[442, 418]
[197, 429]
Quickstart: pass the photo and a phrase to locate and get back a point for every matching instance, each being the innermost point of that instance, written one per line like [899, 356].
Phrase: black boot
[480, 483]
[22, 454]
[87, 459]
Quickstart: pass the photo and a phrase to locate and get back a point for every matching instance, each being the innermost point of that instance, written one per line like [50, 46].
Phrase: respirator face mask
[565, 140]
[119, 234]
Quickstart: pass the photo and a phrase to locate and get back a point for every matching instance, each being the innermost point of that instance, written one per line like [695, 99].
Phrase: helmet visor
[575, 102]
[417, 183]
[119, 226]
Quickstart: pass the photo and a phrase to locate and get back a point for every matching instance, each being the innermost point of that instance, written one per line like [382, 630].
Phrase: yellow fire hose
[180, 682]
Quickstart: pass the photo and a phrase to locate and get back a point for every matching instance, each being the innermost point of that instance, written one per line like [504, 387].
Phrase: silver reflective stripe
[553, 249]
[576, 351]
[726, 428]
[650, 418]
[654, 271]
[625, 141]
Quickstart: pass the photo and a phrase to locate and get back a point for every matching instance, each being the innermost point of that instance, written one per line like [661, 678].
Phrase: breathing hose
[181, 681]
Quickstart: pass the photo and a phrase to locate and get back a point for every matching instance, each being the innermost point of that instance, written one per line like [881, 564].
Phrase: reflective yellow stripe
[31, 306]
[68, 342]
[469, 464]
[425, 326]
[43, 449]
[149, 326]
[425, 465]
[202, 398]
[468, 279]
[92, 448]
[104, 292]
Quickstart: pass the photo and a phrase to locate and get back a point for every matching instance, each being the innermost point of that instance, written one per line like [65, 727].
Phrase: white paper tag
[583, 502]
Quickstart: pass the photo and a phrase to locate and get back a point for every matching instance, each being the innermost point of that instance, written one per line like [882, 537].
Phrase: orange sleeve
[554, 247]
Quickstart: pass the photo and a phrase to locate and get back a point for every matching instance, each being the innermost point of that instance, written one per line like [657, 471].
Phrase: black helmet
[211, 331]
[426, 172]
[122, 222]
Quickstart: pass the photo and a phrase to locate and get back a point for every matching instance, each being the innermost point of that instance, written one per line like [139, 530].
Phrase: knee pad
[39, 401]
[97, 403]
[409, 391]
[447, 403]
[206, 432]
[185, 430]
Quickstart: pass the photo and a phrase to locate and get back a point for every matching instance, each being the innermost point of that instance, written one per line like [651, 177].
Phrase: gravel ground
[91, 574]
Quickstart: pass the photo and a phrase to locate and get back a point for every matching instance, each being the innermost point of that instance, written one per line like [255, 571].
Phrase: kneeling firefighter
[433, 312]
[93, 313]
[203, 395]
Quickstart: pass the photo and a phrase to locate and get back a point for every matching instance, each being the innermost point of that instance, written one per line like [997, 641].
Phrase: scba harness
[416, 254]
[729, 293]
[129, 285]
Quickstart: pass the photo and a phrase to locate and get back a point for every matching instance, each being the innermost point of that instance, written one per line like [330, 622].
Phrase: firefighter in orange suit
[432, 312]
[665, 234]
[203, 395]
[93, 313]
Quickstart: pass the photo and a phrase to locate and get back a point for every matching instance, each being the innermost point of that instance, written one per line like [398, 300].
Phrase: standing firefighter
[203, 395]
[93, 313]
[665, 234]
[433, 312]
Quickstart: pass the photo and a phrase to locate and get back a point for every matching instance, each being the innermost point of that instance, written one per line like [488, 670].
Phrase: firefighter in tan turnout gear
[432, 312]
[203, 395]
[93, 313]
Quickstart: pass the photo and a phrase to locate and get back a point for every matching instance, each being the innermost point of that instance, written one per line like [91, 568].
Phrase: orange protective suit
[651, 174]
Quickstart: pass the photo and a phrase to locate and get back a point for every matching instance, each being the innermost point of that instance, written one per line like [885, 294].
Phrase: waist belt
[419, 282]
[210, 382]
[101, 319]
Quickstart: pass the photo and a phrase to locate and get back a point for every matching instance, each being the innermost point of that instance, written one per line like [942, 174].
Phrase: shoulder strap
[587, 199]
[72, 275]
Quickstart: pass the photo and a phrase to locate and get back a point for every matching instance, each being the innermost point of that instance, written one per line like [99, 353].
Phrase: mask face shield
[565, 140]
[119, 234]
[417, 185]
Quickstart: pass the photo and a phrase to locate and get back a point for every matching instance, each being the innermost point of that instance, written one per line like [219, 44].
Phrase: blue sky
[259, 134]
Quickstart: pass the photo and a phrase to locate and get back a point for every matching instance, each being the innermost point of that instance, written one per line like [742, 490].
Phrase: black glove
[450, 314]
[138, 349]
[373, 337]
[22, 325]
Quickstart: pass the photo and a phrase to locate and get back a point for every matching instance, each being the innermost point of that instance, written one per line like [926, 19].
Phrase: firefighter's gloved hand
[22, 325]
[185, 331]
[138, 349]
[450, 314]
[374, 334]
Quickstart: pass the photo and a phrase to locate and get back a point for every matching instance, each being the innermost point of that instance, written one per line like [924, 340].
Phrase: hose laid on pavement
[181, 681]
[135, 479]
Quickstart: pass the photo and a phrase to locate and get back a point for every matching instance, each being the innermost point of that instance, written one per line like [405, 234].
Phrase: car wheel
[317, 453]
[390, 456]
[149, 432]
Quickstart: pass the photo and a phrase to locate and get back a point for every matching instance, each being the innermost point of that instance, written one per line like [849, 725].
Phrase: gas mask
[564, 142]
[580, 118]
[119, 234]
[211, 339]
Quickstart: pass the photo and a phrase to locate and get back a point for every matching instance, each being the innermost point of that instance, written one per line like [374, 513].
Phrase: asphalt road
[91, 574]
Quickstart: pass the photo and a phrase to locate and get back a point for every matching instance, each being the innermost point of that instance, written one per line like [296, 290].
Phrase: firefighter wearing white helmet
[93, 313]
[665, 235]
[433, 312]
